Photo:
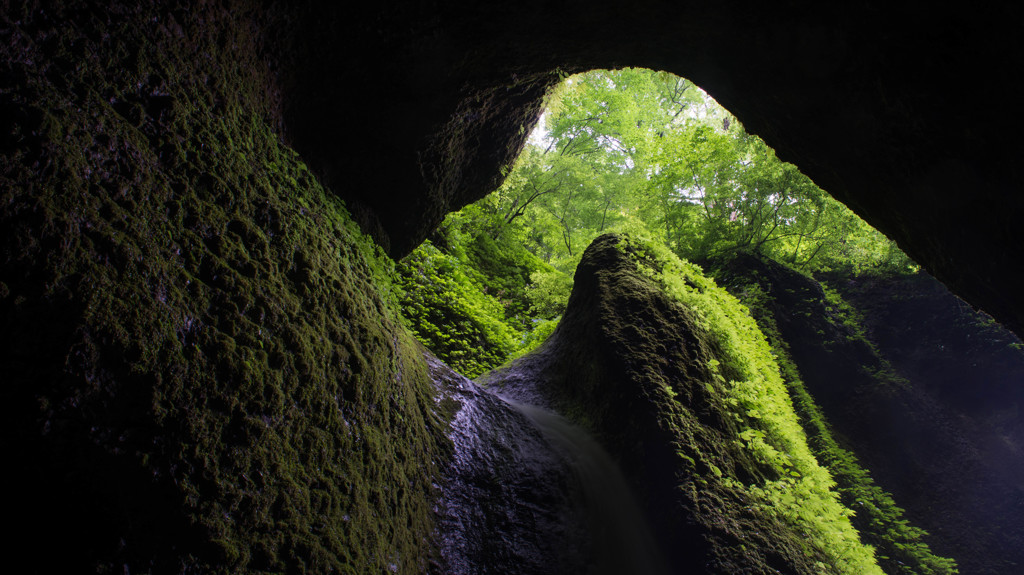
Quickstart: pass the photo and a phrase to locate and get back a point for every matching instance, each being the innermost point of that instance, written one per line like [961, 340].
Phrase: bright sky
[708, 111]
[539, 135]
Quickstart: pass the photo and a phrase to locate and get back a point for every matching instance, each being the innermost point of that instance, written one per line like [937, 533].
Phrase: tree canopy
[649, 152]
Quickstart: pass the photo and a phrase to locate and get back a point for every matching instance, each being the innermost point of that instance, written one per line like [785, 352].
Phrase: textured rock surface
[509, 502]
[201, 368]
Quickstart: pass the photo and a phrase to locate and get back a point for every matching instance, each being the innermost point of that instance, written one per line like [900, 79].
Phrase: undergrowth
[477, 302]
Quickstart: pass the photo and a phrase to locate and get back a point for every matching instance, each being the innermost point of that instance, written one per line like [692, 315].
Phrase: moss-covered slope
[942, 440]
[675, 379]
[901, 545]
[201, 371]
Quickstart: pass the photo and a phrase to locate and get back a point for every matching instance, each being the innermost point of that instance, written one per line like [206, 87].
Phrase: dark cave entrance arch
[864, 99]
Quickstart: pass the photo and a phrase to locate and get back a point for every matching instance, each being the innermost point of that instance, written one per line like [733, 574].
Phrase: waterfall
[621, 542]
[527, 493]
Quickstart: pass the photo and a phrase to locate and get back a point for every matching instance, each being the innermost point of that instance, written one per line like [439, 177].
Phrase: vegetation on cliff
[900, 544]
[675, 379]
[745, 383]
[921, 387]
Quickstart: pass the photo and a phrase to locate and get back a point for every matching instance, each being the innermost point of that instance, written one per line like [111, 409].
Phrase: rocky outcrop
[639, 369]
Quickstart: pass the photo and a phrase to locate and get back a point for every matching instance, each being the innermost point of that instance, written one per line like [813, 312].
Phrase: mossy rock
[676, 381]
[203, 371]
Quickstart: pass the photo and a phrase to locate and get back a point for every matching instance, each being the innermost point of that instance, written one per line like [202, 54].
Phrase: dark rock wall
[932, 336]
[201, 368]
[928, 400]
[974, 369]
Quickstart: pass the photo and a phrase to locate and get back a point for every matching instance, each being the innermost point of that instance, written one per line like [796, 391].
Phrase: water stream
[620, 539]
[528, 493]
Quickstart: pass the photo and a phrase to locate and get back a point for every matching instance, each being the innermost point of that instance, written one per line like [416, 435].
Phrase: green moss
[454, 313]
[469, 298]
[900, 545]
[677, 381]
[217, 335]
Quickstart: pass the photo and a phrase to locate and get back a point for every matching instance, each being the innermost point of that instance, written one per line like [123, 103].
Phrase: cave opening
[651, 155]
[198, 346]
[632, 151]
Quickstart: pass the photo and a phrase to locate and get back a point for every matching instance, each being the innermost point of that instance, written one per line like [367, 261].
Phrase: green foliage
[620, 146]
[747, 380]
[475, 296]
[548, 292]
[627, 150]
[453, 312]
[900, 545]
[542, 328]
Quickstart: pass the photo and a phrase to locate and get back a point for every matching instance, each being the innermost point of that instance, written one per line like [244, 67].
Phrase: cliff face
[922, 388]
[972, 369]
[931, 336]
[202, 368]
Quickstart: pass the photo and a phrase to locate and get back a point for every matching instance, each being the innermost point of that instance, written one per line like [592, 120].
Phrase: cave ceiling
[908, 113]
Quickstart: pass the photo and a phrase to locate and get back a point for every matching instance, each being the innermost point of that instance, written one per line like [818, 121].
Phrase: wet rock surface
[527, 492]
[510, 501]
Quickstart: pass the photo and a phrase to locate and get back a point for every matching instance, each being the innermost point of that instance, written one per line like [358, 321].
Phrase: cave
[863, 99]
[172, 269]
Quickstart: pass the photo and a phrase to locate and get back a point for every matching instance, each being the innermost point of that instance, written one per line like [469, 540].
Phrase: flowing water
[621, 540]
[528, 493]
